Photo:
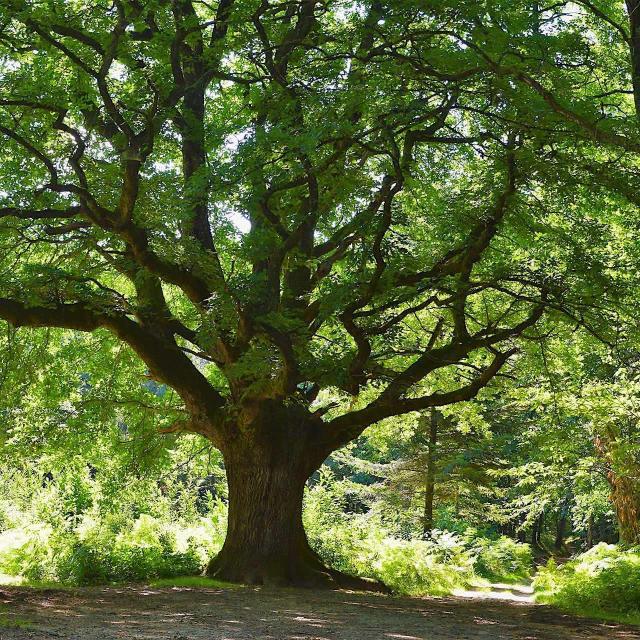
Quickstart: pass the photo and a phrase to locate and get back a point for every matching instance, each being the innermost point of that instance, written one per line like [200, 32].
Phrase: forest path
[141, 613]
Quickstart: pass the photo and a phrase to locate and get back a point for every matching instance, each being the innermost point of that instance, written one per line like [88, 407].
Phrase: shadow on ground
[284, 614]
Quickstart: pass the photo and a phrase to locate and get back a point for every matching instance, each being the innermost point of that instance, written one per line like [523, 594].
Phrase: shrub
[502, 560]
[26, 553]
[93, 552]
[604, 579]
[356, 544]
[76, 529]
[360, 544]
[418, 567]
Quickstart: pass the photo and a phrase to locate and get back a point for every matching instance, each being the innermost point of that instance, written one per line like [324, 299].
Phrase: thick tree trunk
[625, 495]
[430, 479]
[561, 522]
[590, 538]
[266, 542]
[625, 489]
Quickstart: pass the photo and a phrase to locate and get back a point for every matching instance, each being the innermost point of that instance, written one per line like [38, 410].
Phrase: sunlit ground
[193, 612]
[499, 591]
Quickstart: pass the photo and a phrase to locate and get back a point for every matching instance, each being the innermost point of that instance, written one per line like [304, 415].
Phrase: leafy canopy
[267, 200]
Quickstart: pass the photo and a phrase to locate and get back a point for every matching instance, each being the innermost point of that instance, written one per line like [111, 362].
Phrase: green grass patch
[21, 581]
[602, 583]
[11, 621]
[590, 612]
[192, 582]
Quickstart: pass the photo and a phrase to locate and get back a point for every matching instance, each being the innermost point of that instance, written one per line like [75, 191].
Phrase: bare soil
[281, 614]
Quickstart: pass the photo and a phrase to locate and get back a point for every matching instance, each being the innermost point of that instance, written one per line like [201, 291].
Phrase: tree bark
[590, 526]
[625, 489]
[266, 542]
[561, 522]
[625, 495]
[633, 8]
[536, 532]
[430, 480]
[561, 525]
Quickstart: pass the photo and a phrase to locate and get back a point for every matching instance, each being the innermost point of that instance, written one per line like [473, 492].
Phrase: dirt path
[246, 614]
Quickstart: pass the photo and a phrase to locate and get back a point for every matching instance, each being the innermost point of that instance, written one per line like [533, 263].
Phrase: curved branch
[40, 214]
[165, 360]
[343, 429]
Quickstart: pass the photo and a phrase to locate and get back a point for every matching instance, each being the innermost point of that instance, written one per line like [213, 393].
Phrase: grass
[9, 621]
[590, 612]
[602, 583]
[20, 581]
[607, 616]
[191, 582]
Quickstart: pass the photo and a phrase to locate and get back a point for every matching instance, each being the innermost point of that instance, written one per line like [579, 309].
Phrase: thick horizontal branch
[165, 360]
[343, 429]
[40, 214]
[67, 316]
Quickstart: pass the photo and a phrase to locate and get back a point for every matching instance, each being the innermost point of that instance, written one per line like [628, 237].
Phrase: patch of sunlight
[11, 581]
[13, 539]
[510, 592]
[194, 582]
[520, 588]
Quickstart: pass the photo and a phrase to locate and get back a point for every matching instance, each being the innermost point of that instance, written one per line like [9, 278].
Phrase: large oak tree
[266, 200]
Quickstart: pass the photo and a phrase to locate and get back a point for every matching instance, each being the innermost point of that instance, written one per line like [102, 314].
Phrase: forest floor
[141, 613]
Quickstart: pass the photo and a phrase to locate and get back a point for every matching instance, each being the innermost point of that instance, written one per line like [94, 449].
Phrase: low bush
[79, 529]
[418, 567]
[357, 544]
[502, 560]
[93, 553]
[605, 579]
[58, 535]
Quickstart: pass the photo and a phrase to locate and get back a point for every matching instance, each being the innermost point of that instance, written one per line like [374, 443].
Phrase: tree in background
[525, 459]
[570, 437]
[441, 461]
[266, 202]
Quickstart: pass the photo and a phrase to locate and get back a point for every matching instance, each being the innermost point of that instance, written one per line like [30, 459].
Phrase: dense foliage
[65, 530]
[378, 256]
[70, 530]
[604, 580]
[273, 203]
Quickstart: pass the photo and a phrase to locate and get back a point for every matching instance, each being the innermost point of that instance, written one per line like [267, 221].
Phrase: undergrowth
[63, 535]
[603, 582]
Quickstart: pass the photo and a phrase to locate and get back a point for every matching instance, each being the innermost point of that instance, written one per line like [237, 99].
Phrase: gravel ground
[282, 614]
